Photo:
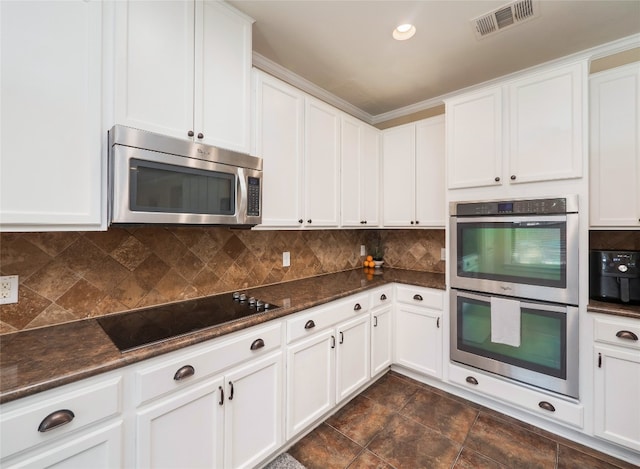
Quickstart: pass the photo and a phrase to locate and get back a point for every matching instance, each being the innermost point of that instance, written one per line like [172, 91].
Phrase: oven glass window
[542, 337]
[532, 253]
[158, 187]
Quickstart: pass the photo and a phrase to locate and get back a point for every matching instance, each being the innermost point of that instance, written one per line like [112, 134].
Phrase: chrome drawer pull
[56, 419]
[471, 380]
[417, 297]
[626, 335]
[257, 344]
[546, 406]
[184, 372]
[310, 324]
[357, 307]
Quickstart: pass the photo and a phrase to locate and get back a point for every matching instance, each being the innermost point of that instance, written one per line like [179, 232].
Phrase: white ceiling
[346, 48]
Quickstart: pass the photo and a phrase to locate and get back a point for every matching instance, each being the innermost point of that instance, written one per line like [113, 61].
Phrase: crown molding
[594, 53]
[286, 75]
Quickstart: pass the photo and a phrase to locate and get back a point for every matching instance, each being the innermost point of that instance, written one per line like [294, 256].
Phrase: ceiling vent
[504, 17]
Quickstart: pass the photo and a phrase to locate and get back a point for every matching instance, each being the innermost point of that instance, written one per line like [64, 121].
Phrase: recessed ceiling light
[404, 32]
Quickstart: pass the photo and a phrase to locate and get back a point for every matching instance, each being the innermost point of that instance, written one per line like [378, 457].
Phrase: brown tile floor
[401, 423]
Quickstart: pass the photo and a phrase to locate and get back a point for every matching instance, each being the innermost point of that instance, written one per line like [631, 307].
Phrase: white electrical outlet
[286, 259]
[443, 254]
[8, 289]
[363, 250]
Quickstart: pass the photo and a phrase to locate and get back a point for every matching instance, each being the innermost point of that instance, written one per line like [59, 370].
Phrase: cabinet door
[474, 139]
[381, 339]
[370, 171]
[614, 186]
[546, 125]
[430, 172]
[321, 163]
[253, 412]
[97, 448]
[51, 116]
[617, 387]
[155, 66]
[398, 156]
[352, 173]
[279, 133]
[183, 430]
[418, 339]
[310, 380]
[223, 76]
[352, 357]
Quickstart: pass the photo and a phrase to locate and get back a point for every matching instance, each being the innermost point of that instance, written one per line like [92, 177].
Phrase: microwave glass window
[542, 337]
[157, 187]
[530, 253]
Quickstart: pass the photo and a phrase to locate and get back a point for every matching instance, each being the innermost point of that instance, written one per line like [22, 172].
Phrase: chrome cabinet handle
[357, 307]
[626, 335]
[471, 380]
[546, 406]
[257, 344]
[383, 297]
[184, 372]
[56, 419]
[417, 297]
[310, 324]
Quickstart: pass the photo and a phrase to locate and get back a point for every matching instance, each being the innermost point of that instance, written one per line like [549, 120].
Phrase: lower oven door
[529, 341]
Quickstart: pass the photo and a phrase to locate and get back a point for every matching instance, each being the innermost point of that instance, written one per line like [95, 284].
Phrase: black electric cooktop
[134, 329]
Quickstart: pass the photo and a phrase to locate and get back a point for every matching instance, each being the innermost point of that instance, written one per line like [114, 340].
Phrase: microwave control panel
[511, 207]
[253, 197]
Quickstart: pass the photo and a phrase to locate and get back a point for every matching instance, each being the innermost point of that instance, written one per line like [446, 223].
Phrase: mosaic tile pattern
[66, 276]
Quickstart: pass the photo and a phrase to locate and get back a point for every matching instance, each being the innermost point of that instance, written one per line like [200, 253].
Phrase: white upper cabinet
[360, 175]
[413, 174]
[615, 147]
[51, 116]
[183, 68]
[525, 130]
[321, 164]
[279, 142]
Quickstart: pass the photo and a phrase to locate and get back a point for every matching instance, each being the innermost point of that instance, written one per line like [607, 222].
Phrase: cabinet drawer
[522, 397]
[420, 296]
[37, 419]
[321, 317]
[178, 369]
[618, 331]
[382, 296]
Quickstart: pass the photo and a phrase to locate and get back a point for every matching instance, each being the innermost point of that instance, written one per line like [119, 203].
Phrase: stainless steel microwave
[158, 179]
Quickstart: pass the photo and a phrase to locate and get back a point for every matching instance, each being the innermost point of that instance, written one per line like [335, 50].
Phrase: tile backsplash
[66, 276]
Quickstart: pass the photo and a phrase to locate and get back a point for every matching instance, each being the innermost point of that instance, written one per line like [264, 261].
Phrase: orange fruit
[369, 258]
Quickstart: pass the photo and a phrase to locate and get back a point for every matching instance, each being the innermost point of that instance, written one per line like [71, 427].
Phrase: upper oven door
[524, 256]
[153, 187]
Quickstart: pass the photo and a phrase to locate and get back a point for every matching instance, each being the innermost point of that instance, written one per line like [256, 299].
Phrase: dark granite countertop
[36, 360]
[617, 309]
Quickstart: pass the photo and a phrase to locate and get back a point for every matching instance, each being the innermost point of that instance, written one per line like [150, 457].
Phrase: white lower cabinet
[381, 330]
[326, 362]
[418, 329]
[77, 425]
[219, 405]
[617, 381]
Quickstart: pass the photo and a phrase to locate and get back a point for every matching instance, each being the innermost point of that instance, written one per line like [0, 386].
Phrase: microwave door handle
[242, 201]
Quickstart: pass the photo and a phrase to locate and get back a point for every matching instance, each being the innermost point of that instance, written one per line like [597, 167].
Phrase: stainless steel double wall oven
[514, 292]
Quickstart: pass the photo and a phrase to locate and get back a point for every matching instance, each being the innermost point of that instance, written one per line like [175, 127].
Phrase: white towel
[505, 321]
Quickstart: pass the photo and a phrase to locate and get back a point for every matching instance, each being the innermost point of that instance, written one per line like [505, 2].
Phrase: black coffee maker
[615, 276]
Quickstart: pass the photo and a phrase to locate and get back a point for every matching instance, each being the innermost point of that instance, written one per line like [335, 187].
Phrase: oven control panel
[512, 207]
